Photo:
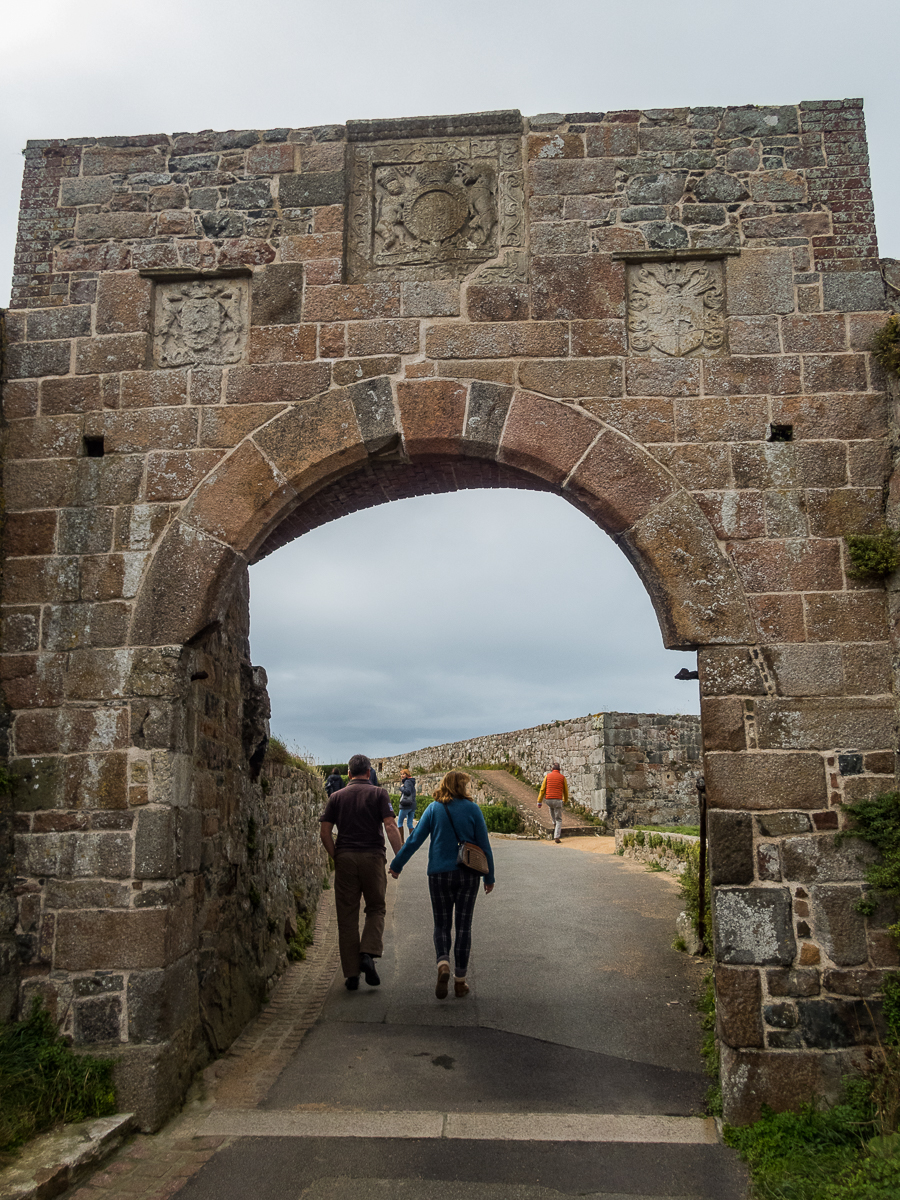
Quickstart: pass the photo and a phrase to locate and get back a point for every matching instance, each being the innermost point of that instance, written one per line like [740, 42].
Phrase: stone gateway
[219, 341]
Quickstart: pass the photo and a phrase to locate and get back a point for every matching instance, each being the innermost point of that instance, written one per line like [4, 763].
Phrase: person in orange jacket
[554, 790]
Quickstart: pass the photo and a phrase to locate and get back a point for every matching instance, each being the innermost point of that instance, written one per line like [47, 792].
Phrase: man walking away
[407, 801]
[554, 790]
[359, 810]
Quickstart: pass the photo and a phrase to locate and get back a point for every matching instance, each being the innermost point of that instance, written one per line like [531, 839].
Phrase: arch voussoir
[544, 437]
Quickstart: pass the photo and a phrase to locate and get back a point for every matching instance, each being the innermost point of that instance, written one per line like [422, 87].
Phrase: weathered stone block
[486, 415]
[768, 862]
[723, 726]
[738, 998]
[843, 617]
[853, 291]
[508, 339]
[756, 780]
[277, 294]
[752, 376]
[282, 343]
[498, 302]
[98, 1019]
[572, 177]
[814, 723]
[729, 670]
[382, 337]
[753, 926]
[577, 287]
[731, 846]
[821, 859]
[430, 298]
[28, 360]
[160, 1002]
[832, 1024]
[760, 282]
[154, 844]
[115, 352]
[124, 303]
[352, 302]
[129, 940]
[432, 414]
[839, 928]
[281, 383]
[309, 191]
[782, 981]
[572, 379]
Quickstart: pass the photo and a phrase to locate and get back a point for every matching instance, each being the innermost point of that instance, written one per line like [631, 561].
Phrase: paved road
[571, 1068]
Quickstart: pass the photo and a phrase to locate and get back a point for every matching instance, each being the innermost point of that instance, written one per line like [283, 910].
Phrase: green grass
[42, 1083]
[297, 946]
[502, 818]
[814, 1154]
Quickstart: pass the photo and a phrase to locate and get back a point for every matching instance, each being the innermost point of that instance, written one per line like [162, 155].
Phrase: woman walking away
[407, 801]
[453, 818]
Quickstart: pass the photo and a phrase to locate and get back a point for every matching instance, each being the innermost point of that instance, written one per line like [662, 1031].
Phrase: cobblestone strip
[156, 1166]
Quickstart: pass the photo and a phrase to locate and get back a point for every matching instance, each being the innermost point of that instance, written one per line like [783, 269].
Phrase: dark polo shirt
[359, 811]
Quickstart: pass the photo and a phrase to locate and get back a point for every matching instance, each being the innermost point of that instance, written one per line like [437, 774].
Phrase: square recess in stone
[200, 321]
[433, 208]
[676, 309]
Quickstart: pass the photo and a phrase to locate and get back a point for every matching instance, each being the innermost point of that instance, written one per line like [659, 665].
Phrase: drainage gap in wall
[780, 433]
[93, 447]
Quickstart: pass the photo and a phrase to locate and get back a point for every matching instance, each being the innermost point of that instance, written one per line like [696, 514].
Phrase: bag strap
[446, 809]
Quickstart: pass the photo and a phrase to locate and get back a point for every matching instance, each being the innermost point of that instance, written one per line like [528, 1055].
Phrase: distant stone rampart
[629, 768]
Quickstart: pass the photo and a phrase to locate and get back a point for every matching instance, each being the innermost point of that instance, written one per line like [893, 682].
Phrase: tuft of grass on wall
[873, 554]
[886, 345]
[43, 1083]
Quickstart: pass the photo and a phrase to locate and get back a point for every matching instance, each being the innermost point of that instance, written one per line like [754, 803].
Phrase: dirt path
[525, 797]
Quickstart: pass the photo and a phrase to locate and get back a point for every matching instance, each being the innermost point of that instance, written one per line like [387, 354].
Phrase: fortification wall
[629, 768]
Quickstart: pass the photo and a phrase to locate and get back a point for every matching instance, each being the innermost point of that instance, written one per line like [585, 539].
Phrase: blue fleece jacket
[444, 847]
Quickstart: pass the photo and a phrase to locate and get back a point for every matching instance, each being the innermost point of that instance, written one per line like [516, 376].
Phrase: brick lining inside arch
[379, 483]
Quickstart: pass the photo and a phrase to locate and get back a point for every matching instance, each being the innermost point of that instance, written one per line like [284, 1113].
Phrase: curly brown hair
[454, 783]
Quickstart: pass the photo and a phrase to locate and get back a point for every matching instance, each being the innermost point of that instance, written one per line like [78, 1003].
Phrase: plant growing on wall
[886, 345]
[873, 553]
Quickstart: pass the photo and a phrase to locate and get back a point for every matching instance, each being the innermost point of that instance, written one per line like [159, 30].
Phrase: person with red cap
[554, 792]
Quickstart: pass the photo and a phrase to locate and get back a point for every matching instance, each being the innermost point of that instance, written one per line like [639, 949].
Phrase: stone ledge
[508, 120]
[55, 1161]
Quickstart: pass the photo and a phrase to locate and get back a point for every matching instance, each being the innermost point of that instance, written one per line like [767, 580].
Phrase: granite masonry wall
[221, 340]
[629, 768]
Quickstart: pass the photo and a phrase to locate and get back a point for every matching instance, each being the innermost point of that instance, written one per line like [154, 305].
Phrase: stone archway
[220, 339]
[263, 485]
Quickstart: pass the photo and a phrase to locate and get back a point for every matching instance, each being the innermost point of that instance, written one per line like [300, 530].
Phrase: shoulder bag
[470, 855]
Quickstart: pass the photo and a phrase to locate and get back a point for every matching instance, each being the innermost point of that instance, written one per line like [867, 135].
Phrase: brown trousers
[359, 874]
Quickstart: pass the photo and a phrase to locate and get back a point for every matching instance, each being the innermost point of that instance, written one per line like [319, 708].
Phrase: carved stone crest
[676, 309]
[432, 209]
[200, 321]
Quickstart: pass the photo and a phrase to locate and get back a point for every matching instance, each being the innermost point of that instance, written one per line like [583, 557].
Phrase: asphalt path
[572, 1067]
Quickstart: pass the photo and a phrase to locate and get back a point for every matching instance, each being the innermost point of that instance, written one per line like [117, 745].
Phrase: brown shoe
[460, 988]
[443, 981]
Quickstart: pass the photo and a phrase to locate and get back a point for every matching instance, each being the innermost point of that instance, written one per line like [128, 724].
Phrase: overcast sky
[507, 646]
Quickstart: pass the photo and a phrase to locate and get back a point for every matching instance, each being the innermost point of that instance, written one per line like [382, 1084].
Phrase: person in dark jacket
[334, 782]
[407, 802]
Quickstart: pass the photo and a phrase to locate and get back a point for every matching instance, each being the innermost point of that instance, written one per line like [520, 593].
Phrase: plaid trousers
[454, 891]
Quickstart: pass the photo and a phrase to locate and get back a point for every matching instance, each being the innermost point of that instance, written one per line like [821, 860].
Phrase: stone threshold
[56, 1160]
[469, 1126]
